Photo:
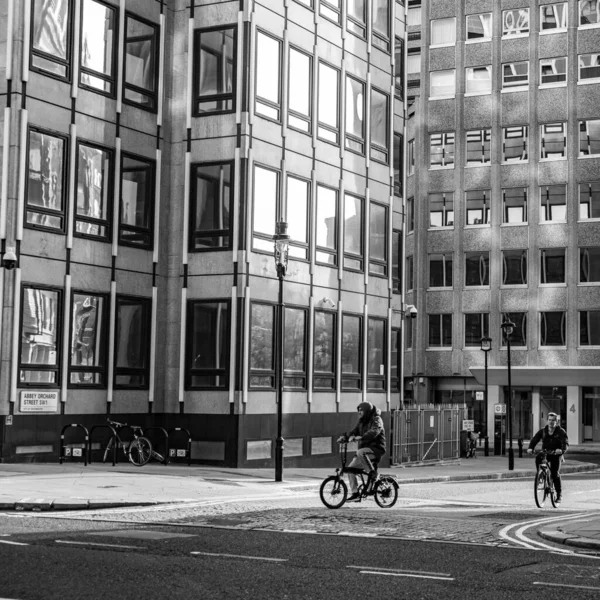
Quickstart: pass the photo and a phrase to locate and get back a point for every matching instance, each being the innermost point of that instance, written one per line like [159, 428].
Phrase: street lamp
[507, 328]
[486, 346]
[281, 241]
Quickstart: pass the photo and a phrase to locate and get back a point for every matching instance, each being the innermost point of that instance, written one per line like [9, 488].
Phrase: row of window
[552, 329]
[478, 205]
[52, 34]
[552, 265]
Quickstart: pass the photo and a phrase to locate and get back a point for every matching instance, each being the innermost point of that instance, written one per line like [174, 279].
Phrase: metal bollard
[486, 446]
[520, 442]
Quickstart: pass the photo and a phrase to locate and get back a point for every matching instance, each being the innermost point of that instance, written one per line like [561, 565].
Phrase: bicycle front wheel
[540, 488]
[140, 451]
[108, 449]
[333, 492]
[386, 492]
[553, 495]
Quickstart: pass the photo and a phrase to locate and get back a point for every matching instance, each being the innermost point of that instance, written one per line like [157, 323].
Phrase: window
[353, 232]
[589, 12]
[553, 16]
[132, 342]
[479, 142]
[51, 33]
[46, 186]
[396, 261]
[514, 205]
[440, 270]
[408, 328]
[351, 352]
[208, 344]
[441, 149]
[94, 191]
[443, 32]
[398, 160]
[479, 27]
[553, 70]
[515, 22]
[589, 138]
[411, 157]
[380, 120]
[99, 32]
[381, 24]
[331, 9]
[297, 201]
[441, 209]
[519, 334]
[589, 265]
[478, 80]
[478, 207]
[210, 209]
[294, 348]
[395, 360]
[262, 342]
[300, 92]
[589, 67]
[440, 331]
[328, 127]
[268, 74]
[476, 327]
[137, 199]
[409, 273]
[266, 208]
[356, 22]
[413, 61]
[589, 328]
[41, 334]
[410, 214]
[515, 74]
[141, 63]
[326, 232]
[324, 345]
[355, 115]
[89, 319]
[477, 269]
[443, 84]
[514, 143]
[376, 354]
[589, 200]
[514, 267]
[553, 203]
[378, 219]
[553, 327]
[552, 265]
[413, 16]
[399, 68]
[214, 70]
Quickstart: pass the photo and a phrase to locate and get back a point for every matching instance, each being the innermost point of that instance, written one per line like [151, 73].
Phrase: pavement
[75, 486]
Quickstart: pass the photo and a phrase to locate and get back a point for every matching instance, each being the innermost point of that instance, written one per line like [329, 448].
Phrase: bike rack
[166, 459]
[114, 433]
[176, 452]
[71, 452]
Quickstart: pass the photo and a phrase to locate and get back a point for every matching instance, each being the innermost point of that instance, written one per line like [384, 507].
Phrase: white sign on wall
[468, 424]
[499, 409]
[479, 396]
[46, 402]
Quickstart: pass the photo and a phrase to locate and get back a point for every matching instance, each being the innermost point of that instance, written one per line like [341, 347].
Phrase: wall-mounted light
[327, 301]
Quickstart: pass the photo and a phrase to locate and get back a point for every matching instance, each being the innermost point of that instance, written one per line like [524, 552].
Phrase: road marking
[406, 575]
[239, 556]
[403, 571]
[565, 585]
[299, 531]
[12, 544]
[100, 545]
[356, 534]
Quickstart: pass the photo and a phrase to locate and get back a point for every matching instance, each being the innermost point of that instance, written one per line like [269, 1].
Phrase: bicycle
[138, 451]
[334, 491]
[471, 449]
[544, 484]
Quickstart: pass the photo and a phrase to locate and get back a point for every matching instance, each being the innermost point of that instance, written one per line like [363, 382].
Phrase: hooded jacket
[370, 429]
[557, 441]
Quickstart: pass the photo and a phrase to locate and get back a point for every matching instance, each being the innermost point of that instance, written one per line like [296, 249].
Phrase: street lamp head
[486, 344]
[507, 326]
[282, 247]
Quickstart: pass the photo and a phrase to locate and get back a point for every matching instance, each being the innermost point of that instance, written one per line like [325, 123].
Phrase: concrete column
[574, 411]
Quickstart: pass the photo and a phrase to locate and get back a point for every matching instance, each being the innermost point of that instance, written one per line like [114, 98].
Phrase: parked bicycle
[138, 450]
[544, 484]
[334, 490]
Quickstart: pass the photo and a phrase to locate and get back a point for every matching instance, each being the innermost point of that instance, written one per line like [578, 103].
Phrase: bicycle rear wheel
[539, 489]
[333, 492]
[386, 492]
[108, 448]
[140, 451]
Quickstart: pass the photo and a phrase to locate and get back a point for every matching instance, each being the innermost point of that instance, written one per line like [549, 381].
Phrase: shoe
[559, 499]
[354, 498]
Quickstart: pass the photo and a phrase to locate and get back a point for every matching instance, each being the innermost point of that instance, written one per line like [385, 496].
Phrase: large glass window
[553, 140]
[553, 328]
[589, 138]
[478, 207]
[328, 127]
[46, 189]
[589, 12]
[514, 267]
[399, 68]
[41, 334]
[351, 352]
[89, 319]
[514, 143]
[300, 91]
[214, 70]
[476, 327]
[441, 209]
[396, 260]
[553, 16]
[589, 67]
[132, 342]
[441, 149]
[552, 265]
[477, 268]
[380, 119]
[331, 9]
[478, 80]
[553, 203]
[478, 146]
[262, 345]
[355, 114]
[440, 331]
[94, 191]
[266, 208]
[324, 350]
[589, 200]
[479, 27]
[413, 61]
[589, 328]
[514, 205]
[519, 334]
[294, 348]
[413, 15]
[268, 76]
[381, 24]
[395, 359]
[442, 84]
[398, 160]
[51, 33]
[137, 201]
[211, 206]
[99, 32]
[411, 157]
[378, 227]
[409, 273]
[443, 32]
[326, 243]
[353, 232]
[589, 265]
[515, 74]
[297, 201]
[440, 270]
[410, 214]
[553, 70]
[376, 354]
[515, 22]
[141, 63]
[356, 12]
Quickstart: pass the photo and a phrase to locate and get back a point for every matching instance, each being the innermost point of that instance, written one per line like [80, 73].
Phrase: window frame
[377, 382]
[471, 71]
[410, 163]
[546, 206]
[514, 82]
[294, 114]
[486, 209]
[358, 376]
[447, 145]
[290, 374]
[382, 263]
[477, 39]
[438, 96]
[381, 39]
[593, 202]
[326, 127]
[295, 244]
[543, 318]
[484, 266]
[546, 256]
[524, 207]
[592, 144]
[259, 100]
[586, 263]
[580, 67]
[483, 326]
[263, 373]
[350, 137]
[263, 236]
[581, 17]
[558, 29]
[553, 62]
[374, 147]
[446, 259]
[520, 321]
[331, 9]
[333, 252]
[518, 32]
[322, 375]
[410, 277]
[523, 269]
[524, 137]
[397, 262]
[447, 199]
[354, 24]
[485, 140]
[593, 337]
[545, 131]
[444, 330]
[348, 257]
[442, 44]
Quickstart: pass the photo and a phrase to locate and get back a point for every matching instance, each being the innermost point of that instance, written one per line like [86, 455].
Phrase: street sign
[39, 401]
[468, 425]
[499, 409]
[479, 396]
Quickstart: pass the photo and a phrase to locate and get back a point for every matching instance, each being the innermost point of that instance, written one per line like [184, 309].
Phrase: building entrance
[591, 414]
[553, 399]
[522, 418]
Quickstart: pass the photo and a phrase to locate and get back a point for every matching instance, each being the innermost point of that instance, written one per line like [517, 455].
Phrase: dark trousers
[554, 462]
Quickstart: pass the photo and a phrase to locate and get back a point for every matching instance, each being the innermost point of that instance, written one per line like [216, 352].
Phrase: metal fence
[426, 433]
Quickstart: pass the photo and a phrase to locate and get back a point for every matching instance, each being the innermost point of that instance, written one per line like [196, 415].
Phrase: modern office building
[148, 149]
[503, 209]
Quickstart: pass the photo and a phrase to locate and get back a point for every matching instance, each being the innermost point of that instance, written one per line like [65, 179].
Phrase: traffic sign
[499, 409]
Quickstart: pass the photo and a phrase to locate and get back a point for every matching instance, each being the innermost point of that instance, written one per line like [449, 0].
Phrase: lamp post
[486, 346]
[507, 328]
[281, 241]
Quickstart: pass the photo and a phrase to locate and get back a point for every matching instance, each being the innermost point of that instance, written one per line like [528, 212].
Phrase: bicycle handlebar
[116, 423]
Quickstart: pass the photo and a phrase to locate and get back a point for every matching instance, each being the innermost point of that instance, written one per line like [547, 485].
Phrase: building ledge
[539, 376]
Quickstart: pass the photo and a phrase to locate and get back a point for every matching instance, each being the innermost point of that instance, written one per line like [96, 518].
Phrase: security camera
[9, 260]
[411, 311]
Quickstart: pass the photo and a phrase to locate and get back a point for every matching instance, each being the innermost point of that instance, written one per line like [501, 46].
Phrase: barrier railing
[74, 451]
[158, 456]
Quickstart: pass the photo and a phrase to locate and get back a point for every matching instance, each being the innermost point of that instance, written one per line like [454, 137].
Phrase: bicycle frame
[368, 485]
